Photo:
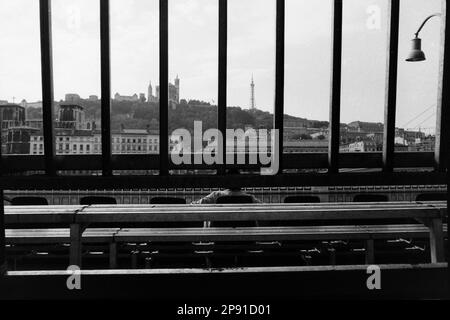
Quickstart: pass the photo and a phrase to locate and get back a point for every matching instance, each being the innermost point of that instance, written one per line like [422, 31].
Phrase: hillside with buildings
[135, 125]
[135, 128]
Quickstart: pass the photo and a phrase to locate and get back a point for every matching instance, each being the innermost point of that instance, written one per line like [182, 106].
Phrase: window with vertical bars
[328, 163]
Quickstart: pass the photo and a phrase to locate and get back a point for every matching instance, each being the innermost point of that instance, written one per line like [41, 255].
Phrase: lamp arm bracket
[425, 21]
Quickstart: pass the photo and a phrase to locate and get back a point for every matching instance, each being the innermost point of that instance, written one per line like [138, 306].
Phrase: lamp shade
[416, 53]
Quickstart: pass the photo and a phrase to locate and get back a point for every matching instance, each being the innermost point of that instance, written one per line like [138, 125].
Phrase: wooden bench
[79, 218]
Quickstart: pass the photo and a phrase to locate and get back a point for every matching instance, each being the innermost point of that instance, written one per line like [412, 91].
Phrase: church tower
[150, 92]
[177, 85]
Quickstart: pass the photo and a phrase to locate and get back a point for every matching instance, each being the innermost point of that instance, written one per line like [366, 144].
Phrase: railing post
[222, 90]
[335, 98]
[47, 85]
[2, 235]
[164, 87]
[443, 99]
[391, 86]
[105, 87]
[2, 221]
[442, 154]
[279, 79]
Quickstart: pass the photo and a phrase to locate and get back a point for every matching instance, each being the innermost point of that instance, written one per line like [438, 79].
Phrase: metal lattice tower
[252, 95]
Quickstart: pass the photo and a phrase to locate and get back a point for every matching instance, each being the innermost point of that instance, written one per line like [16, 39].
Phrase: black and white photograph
[224, 158]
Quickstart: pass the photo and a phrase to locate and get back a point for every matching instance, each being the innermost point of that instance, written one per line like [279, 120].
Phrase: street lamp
[416, 53]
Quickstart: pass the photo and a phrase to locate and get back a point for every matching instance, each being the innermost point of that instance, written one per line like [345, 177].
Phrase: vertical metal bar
[105, 87]
[443, 117]
[47, 85]
[2, 235]
[391, 86]
[222, 91]
[442, 153]
[163, 86]
[279, 78]
[335, 94]
[2, 220]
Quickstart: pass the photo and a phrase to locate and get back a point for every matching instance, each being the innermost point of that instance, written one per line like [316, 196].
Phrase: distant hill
[140, 115]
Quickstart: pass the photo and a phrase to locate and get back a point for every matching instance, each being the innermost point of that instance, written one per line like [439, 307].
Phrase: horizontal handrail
[39, 182]
[307, 160]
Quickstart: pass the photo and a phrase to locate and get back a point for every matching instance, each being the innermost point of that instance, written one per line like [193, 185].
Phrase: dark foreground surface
[397, 282]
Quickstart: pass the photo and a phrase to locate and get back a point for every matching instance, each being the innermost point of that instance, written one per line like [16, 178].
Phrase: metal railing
[387, 161]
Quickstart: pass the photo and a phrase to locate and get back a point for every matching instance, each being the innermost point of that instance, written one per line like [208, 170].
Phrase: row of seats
[287, 253]
[37, 201]
[23, 201]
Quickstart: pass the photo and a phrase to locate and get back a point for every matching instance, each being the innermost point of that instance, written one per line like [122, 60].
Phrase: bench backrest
[104, 214]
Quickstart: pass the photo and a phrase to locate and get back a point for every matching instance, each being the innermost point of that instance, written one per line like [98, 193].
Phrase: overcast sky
[193, 53]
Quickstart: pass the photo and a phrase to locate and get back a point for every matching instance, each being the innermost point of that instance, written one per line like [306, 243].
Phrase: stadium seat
[370, 198]
[234, 199]
[29, 201]
[432, 197]
[97, 200]
[167, 200]
[302, 199]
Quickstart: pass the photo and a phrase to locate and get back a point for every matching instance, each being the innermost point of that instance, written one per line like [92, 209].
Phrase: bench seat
[41, 236]
[272, 233]
[198, 240]
[125, 224]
